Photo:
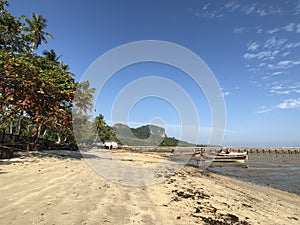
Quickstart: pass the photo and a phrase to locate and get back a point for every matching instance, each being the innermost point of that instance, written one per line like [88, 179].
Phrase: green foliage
[83, 128]
[146, 131]
[51, 55]
[83, 100]
[36, 92]
[36, 30]
[104, 132]
[148, 135]
[169, 142]
[141, 132]
[12, 37]
[22, 35]
[37, 87]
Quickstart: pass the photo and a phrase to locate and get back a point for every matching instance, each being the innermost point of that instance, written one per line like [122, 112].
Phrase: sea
[281, 171]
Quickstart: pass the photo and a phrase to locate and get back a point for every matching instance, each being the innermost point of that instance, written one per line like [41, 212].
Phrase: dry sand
[58, 187]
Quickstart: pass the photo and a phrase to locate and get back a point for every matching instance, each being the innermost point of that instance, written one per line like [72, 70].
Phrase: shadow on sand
[20, 156]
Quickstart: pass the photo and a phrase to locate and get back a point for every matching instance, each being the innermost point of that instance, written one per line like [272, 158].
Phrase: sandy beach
[59, 187]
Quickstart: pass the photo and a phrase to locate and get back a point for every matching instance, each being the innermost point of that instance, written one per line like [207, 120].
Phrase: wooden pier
[272, 150]
[259, 150]
[265, 150]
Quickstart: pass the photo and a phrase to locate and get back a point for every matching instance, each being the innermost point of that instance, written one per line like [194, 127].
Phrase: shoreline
[59, 187]
[280, 171]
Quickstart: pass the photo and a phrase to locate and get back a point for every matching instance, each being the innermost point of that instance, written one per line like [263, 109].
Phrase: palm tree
[99, 123]
[51, 55]
[84, 97]
[65, 67]
[36, 30]
[104, 132]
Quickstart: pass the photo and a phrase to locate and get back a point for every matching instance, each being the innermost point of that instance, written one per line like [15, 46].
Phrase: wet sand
[59, 187]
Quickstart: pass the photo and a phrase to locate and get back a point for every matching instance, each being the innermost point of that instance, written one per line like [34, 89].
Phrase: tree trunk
[11, 128]
[20, 124]
[45, 133]
[3, 136]
[37, 134]
[58, 139]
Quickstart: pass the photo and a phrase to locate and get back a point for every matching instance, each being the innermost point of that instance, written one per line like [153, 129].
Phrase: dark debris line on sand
[203, 210]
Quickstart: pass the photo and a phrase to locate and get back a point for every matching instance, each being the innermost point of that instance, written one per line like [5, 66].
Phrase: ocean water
[281, 171]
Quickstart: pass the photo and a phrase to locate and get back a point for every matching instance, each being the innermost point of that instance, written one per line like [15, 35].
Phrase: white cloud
[259, 30]
[289, 104]
[286, 92]
[289, 27]
[205, 7]
[292, 45]
[249, 9]
[274, 43]
[283, 64]
[212, 14]
[226, 93]
[262, 12]
[207, 12]
[297, 8]
[281, 89]
[272, 31]
[263, 55]
[288, 64]
[293, 103]
[297, 85]
[268, 11]
[221, 9]
[253, 46]
[262, 64]
[273, 10]
[284, 54]
[263, 109]
[239, 30]
[277, 73]
[277, 87]
[272, 66]
[298, 28]
[232, 6]
[271, 54]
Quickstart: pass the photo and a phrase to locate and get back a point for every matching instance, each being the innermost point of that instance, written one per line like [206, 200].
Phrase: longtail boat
[223, 156]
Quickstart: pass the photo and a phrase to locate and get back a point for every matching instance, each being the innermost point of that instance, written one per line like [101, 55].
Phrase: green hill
[147, 135]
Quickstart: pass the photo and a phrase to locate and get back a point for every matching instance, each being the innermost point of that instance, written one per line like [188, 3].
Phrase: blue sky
[252, 47]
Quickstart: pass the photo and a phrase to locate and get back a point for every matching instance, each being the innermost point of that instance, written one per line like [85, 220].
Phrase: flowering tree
[38, 89]
[36, 92]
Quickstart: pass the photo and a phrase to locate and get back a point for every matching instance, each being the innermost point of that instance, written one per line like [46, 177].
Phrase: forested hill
[147, 135]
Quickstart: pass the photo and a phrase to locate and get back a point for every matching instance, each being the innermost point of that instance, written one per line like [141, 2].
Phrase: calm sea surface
[281, 171]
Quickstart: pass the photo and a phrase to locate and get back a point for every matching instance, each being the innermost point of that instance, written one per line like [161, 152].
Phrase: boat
[228, 158]
[223, 156]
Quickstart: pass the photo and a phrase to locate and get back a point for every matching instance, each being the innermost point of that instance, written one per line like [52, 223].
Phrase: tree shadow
[27, 156]
[9, 161]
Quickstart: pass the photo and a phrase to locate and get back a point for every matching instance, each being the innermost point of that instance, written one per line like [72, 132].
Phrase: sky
[251, 47]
